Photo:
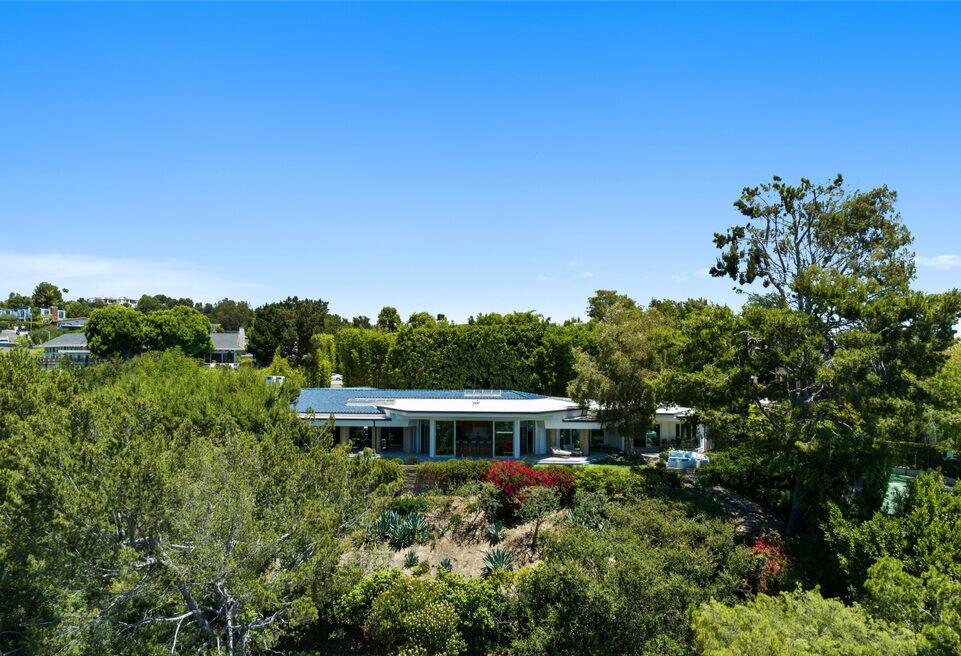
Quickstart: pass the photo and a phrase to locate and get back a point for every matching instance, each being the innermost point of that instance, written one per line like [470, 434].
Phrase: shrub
[442, 615]
[797, 623]
[497, 559]
[400, 530]
[615, 482]
[495, 533]
[410, 559]
[446, 565]
[489, 498]
[652, 555]
[512, 478]
[409, 504]
[449, 474]
[590, 509]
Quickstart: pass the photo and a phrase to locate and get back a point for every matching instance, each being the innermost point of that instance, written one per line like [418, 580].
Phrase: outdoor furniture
[560, 453]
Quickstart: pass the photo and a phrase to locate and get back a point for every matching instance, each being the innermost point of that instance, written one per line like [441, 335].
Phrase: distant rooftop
[67, 340]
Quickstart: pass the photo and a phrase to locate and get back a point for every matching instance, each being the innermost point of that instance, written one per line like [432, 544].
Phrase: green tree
[537, 505]
[837, 345]
[360, 321]
[46, 294]
[115, 330]
[288, 325]
[157, 505]
[16, 301]
[320, 365]
[231, 315]
[944, 413]
[389, 318]
[180, 327]
[603, 300]
[797, 624]
[624, 376]
[420, 319]
[362, 357]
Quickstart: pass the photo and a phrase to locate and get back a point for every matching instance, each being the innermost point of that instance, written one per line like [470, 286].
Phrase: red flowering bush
[512, 477]
[769, 549]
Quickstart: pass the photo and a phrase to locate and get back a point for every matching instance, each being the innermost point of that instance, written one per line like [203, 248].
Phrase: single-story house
[475, 423]
[76, 323]
[229, 348]
[69, 346]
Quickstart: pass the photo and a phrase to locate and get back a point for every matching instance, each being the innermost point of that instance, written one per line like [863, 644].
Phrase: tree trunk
[794, 519]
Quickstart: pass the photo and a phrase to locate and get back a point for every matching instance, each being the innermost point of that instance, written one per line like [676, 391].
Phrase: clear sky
[453, 158]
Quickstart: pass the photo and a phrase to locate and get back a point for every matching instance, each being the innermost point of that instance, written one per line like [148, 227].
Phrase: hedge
[448, 474]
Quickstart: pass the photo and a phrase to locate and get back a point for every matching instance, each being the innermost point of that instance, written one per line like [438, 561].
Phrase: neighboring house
[20, 314]
[69, 346]
[229, 348]
[116, 300]
[26, 314]
[471, 423]
[53, 313]
[77, 323]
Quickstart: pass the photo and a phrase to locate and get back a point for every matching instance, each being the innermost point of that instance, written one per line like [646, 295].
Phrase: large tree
[835, 339]
[389, 318]
[289, 325]
[179, 327]
[46, 294]
[231, 315]
[115, 330]
[624, 376]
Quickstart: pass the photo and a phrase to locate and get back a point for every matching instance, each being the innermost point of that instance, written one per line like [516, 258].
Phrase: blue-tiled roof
[335, 400]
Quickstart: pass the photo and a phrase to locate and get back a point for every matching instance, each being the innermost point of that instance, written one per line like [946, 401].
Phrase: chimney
[53, 313]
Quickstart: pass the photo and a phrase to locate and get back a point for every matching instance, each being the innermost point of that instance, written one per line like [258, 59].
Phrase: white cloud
[573, 264]
[585, 274]
[940, 262]
[90, 275]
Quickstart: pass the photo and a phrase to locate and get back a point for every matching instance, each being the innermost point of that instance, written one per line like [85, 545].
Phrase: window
[504, 438]
[475, 438]
[444, 438]
[527, 437]
[597, 437]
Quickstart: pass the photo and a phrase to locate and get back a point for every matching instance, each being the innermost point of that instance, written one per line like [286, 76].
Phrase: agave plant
[497, 559]
[399, 531]
[495, 533]
[445, 564]
[411, 559]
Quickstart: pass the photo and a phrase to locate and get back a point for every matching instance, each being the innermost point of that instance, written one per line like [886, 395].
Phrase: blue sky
[453, 158]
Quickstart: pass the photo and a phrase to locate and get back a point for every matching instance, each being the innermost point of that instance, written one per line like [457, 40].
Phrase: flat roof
[371, 400]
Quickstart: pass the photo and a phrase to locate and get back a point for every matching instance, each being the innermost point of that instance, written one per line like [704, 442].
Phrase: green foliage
[924, 535]
[411, 559]
[590, 592]
[389, 319]
[154, 488]
[230, 315]
[761, 474]
[410, 503]
[521, 351]
[400, 530]
[537, 503]
[446, 565]
[115, 330]
[362, 356]
[179, 327]
[46, 294]
[448, 474]
[289, 326]
[495, 533]
[497, 559]
[420, 319]
[624, 374]
[446, 614]
[590, 509]
[319, 365]
[797, 624]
